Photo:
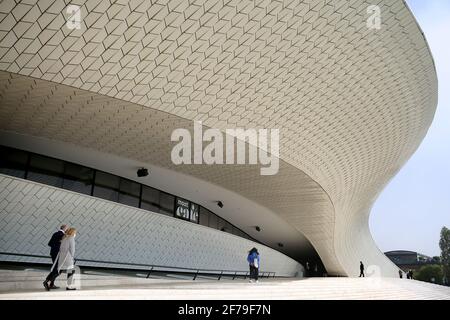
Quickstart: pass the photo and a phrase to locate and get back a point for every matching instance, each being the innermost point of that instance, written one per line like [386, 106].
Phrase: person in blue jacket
[253, 261]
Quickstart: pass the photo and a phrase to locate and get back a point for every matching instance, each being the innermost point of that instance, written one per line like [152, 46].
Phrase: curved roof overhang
[353, 103]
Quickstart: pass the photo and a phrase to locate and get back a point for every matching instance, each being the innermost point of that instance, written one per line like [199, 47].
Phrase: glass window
[236, 231]
[78, 178]
[46, 170]
[204, 216]
[243, 234]
[228, 227]
[150, 199]
[129, 192]
[212, 221]
[13, 162]
[166, 202]
[182, 208]
[221, 224]
[106, 186]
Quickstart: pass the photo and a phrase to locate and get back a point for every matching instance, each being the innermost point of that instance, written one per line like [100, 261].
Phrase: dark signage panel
[182, 209]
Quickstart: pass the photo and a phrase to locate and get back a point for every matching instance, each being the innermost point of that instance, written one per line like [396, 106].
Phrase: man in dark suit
[361, 269]
[54, 244]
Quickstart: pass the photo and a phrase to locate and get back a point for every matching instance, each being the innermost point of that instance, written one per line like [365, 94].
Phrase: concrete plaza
[27, 284]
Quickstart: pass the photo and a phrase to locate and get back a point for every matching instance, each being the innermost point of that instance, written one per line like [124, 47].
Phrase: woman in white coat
[65, 260]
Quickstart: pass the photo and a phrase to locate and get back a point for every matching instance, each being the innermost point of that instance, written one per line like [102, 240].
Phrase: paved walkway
[106, 286]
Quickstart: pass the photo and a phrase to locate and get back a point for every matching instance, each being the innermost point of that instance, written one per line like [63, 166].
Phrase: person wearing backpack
[253, 261]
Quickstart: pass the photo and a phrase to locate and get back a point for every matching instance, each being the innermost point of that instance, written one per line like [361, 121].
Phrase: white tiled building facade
[30, 212]
[352, 102]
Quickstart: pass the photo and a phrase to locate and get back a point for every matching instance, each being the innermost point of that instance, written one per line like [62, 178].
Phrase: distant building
[406, 260]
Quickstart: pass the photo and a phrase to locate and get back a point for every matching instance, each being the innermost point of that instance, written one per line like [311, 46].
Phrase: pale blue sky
[412, 209]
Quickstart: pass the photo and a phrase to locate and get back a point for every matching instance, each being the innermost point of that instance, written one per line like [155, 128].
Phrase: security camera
[258, 228]
[142, 172]
[220, 204]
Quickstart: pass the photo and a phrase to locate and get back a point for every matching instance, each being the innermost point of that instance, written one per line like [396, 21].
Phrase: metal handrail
[197, 271]
[150, 271]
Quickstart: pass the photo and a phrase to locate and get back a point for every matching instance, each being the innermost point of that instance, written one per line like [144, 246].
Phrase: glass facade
[78, 178]
[150, 199]
[166, 203]
[14, 162]
[204, 217]
[129, 192]
[213, 219]
[81, 179]
[106, 186]
[46, 170]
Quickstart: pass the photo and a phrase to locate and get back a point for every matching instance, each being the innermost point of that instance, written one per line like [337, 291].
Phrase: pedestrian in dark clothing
[361, 269]
[411, 274]
[253, 261]
[400, 273]
[55, 244]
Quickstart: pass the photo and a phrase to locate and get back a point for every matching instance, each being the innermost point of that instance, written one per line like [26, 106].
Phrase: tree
[430, 273]
[436, 260]
[444, 244]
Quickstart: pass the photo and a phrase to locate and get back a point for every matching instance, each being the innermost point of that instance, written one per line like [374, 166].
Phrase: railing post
[150, 271]
[220, 276]
[245, 275]
[273, 275]
[234, 275]
[195, 276]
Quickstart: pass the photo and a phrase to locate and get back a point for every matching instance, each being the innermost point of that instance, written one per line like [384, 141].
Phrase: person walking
[253, 261]
[65, 260]
[400, 273]
[361, 269]
[54, 244]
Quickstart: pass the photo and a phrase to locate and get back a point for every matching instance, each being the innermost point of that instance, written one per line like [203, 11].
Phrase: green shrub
[429, 272]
